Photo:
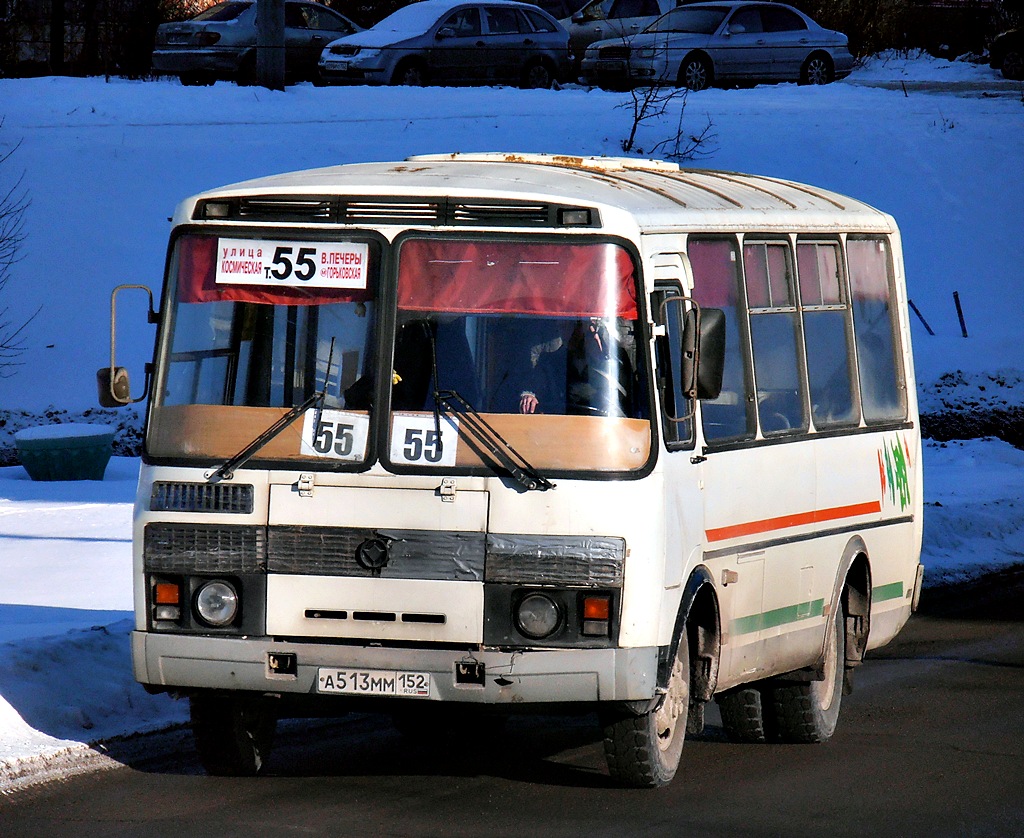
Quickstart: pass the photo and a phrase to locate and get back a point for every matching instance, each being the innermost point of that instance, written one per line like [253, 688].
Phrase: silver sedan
[454, 42]
[701, 44]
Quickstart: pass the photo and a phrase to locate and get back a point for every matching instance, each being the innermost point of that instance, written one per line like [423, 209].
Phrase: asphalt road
[931, 742]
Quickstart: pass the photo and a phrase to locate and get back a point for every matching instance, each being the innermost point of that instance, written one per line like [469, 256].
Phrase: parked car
[454, 42]
[220, 43]
[605, 19]
[1007, 54]
[700, 44]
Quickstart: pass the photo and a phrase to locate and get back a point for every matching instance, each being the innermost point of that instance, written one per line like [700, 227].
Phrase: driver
[589, 373]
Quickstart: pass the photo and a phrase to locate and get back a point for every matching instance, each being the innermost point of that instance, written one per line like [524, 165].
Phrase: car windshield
[222, 12]
[414, 19]
[695, 19]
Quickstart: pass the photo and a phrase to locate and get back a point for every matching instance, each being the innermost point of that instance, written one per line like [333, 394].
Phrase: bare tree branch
[14, 203]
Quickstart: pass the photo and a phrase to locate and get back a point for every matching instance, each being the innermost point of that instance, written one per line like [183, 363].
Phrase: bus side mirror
[112, 382]
[703, 352]
[114, 388]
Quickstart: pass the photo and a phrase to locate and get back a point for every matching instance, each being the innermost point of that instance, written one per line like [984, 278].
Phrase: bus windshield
[539, 338]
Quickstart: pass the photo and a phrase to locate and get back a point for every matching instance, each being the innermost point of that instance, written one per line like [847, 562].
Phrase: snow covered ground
[105, 163]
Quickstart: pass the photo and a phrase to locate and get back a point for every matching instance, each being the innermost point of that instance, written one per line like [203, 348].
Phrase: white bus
[478, 433]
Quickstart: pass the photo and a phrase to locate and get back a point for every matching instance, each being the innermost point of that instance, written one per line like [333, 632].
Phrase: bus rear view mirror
[112, 381]
[704, 351]
[113, 386]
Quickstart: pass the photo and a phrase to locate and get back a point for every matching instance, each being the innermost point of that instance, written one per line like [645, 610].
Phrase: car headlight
[217, 603]
[645, 52]
[537, 616]
[367, 55]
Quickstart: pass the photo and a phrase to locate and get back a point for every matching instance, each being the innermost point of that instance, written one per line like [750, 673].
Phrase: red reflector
[596, 608]
[166, 593]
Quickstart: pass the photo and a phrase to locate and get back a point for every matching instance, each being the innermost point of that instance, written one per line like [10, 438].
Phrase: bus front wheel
[233, 735]
[643, 749]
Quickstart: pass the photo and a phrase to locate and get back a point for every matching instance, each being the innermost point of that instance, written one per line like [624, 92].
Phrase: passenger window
[465, 23]
[776, 19]
[634, 8]
[883, 397]
[774, 337]
[293, 16]
[716, 276]
[826, 335]
[502, 21]
[749, 19]
[539, 22]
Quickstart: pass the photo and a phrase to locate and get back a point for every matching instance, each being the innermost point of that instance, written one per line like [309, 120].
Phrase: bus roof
[657, 195]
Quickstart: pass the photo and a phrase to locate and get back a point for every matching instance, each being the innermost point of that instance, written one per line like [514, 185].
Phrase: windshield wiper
[226, 471]
[493, 444]
[490, 440]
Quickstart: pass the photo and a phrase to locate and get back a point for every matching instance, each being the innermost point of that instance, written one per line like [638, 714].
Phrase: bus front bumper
[508, 677]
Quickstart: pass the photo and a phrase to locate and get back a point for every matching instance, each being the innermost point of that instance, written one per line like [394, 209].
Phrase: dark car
[1007, 54]
[454, 42]
[703, 43]
[220, 43]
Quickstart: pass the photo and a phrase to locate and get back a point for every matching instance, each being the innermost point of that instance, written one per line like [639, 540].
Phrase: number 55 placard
[342, 435]
[414, 440]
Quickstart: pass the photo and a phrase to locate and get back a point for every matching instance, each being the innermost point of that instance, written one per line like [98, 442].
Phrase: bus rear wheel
[809, 712]
[743, 714]
[643, 750]
[233, 736]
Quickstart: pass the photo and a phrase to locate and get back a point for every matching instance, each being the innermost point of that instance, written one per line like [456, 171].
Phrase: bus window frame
[169, 300]
[643, 361]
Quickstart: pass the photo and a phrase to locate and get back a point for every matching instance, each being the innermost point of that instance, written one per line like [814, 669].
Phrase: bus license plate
[373, 682]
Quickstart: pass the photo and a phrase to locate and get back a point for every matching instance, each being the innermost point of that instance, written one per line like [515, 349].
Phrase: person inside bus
[587, 373]
[417, 343]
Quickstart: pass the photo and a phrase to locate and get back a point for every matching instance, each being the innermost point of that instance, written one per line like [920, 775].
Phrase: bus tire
[809, 712]
[233, 736]
[643, 749]
[743, 714]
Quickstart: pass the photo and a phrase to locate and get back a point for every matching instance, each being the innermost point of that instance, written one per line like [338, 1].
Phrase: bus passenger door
[696, 486]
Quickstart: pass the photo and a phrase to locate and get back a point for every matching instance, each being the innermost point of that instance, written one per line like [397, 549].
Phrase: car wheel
[695, 73]
[246, 76]
[196, 79]
[536, 76]
[411, 73]
[817, 69]
[1013, 65]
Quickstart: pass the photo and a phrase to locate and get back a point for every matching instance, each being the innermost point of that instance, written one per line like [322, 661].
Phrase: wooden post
[270, 44]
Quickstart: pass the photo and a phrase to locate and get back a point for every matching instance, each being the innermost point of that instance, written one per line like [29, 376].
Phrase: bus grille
[199, 548]
[594, 562]
[411, 554]
[401, 211]
[201, 497]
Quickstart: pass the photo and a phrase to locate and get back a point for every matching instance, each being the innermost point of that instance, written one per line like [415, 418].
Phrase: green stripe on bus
[880, 593]
[778, 617]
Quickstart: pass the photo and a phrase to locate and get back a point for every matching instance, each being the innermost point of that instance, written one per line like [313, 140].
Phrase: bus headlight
[217, 603]
[537, 616]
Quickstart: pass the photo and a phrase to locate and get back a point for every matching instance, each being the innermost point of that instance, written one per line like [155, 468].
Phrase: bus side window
[716, 278]
[668, 357]
[883, 395]
[774, 336]
[827, 334]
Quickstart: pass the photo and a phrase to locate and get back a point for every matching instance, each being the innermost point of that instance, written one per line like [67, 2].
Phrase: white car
[454, 42]
[700, 44]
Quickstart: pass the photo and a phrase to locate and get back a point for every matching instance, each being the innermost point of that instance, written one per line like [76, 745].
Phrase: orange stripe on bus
[798, 519]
